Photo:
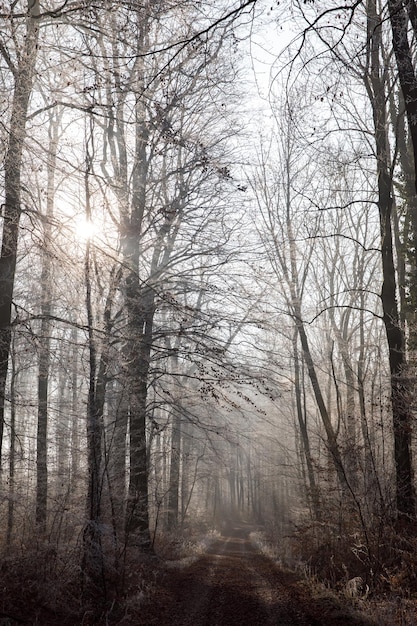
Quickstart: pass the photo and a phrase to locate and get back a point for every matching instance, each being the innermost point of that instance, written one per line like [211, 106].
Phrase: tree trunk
[119, 414]
[44, 338]
[23, 77]
[62, 430]
[405, 497]
[12, 452]
[332, 444]
[93, 566]
[302, 423]
[75, 434]
[399, 18]
[140, 306]
[174, 474]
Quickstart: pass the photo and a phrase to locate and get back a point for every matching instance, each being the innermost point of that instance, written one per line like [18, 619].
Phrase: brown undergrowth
[43, 585]
[373, 567]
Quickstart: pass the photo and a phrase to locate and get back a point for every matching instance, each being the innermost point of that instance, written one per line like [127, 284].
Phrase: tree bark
[405, 497]
[400, 13]
[75, 434]
[12, 452]
[302, 423]
[44, 338]
[174, 474]
[23, 78]
[141, 308]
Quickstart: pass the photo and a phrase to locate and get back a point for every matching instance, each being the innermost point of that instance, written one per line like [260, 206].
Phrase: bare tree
[45, 330]
[395, 336]
[22, 69]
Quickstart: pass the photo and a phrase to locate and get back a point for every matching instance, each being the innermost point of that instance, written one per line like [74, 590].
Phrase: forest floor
[233, 584]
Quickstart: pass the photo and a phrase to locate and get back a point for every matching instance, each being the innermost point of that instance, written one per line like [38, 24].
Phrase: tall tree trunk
[93, 558]
[62, 429]
[371, 482]
[174, 474]
[93, 565]
[140, 308]
[140, 305]
[302, 424]
[189, 473]
[12, 451]
[401, 18]
[117, 441]
[23, 78]
[44, 337]
[405, 497]
[75, 435]
[332, 444]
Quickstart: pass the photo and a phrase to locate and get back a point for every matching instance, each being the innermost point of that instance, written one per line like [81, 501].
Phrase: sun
[85, 229]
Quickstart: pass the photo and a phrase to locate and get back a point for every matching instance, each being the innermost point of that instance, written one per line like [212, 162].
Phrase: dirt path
[234, 585]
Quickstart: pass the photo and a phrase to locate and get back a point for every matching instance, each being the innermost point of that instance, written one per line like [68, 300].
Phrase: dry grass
[375, 574]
